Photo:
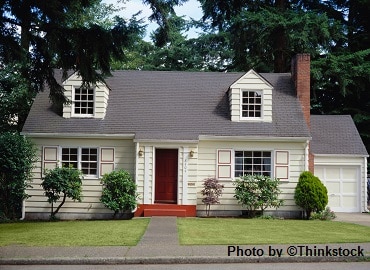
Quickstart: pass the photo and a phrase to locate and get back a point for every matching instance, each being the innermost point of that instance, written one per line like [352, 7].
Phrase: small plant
[257, 192]
[62, 180]
[119, 192]
[327, 214]
[212, 191]
[310, 194]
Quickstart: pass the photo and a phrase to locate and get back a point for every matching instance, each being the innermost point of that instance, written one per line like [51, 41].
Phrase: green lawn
[228, 231]
[74, 233]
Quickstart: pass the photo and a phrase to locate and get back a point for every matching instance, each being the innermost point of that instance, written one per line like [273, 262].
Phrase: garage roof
[335, 135]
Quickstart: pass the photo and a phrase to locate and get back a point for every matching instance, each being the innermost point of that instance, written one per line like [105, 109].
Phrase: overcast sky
[191, 9]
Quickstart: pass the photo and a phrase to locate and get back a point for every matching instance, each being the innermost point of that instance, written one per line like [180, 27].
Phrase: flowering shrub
[257, 192]
[327, 214]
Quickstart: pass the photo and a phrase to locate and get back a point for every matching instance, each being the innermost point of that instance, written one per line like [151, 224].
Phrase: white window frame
[87, 115]
[249, 150]
[79, 159]
[259, 92]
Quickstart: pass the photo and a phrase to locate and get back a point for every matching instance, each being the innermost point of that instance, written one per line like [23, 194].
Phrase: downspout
[136, 168]
[365, 210]
[23, 210]
[306, 155]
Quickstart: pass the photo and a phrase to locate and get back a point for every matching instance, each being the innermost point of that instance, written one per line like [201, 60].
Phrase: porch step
[164, 212]
[161, 209]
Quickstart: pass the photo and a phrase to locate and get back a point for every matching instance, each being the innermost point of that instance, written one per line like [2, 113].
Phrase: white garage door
[343, 186]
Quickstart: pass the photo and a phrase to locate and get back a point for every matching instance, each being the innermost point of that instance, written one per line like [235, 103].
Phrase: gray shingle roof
[335, 134]
[175, 106]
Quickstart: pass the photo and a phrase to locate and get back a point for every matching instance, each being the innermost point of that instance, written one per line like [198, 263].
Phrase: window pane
[252, 162]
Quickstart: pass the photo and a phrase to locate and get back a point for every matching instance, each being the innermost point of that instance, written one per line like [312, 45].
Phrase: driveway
[357, 218]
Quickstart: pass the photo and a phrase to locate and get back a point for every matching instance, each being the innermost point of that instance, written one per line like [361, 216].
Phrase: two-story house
[171, 130]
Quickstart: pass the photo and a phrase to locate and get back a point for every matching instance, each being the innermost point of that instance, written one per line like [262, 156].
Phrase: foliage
[327, 214]
[258, 192]
[212, 191]
[39, 37]
[15, 100]
[310, 194]
[17, 159]
[62, 181]
[119, 191]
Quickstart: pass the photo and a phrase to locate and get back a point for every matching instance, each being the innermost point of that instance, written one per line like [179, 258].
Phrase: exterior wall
[361, 162]
[90, 207]
[250, 81]
[100, 101]
[187, 171]
[207, 160]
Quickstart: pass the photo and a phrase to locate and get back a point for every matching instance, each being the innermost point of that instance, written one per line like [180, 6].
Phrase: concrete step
[159, 209]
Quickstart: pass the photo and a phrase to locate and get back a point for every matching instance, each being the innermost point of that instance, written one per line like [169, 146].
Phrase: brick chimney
[301, 78]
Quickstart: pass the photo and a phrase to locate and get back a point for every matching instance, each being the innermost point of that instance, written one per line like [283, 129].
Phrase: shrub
[257, 192]
[310, 194]
[119, 192]
[17, 159]
[212, 191]
[62, 180]
[327, 214]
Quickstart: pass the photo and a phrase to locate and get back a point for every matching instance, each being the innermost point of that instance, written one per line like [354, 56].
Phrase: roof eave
[78, 135]
[253, 138]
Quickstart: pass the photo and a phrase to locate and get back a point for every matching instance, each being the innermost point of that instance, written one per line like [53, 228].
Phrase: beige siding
[124, 159]
[207, 160]
[101, 97]
[250, 81]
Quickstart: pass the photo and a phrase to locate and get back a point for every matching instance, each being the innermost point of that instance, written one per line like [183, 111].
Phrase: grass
[74, 233]
[226, 231]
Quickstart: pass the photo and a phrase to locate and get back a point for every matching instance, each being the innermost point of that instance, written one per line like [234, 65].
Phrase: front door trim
[154, 172]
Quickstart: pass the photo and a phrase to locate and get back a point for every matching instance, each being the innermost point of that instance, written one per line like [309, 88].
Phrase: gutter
[78, 135]
[253, 138]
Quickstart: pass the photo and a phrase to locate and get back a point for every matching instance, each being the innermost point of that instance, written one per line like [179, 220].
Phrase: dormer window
[84, 102]
[251, 104]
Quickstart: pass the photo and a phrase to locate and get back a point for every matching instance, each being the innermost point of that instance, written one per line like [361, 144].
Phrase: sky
[191, 9]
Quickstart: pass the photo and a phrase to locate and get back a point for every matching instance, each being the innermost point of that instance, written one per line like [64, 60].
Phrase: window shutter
[282, 165]
[49, 157]
[224, 164]
[106, 160]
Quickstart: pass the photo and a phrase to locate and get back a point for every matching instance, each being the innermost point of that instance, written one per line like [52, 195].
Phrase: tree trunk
[60, 205]
[279, 42]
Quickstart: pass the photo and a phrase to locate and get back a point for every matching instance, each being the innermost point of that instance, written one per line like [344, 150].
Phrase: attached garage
[340, 161]
[343, 184]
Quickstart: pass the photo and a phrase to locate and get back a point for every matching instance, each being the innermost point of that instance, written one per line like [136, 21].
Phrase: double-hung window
[82, 158]
[252, 162]
[251, 104]
[84, 101]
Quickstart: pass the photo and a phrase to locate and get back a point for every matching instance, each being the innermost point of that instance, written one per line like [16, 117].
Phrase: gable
[91, 102]
[250, 99]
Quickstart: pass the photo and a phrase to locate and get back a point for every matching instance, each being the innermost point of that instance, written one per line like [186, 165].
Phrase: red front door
[166, 164]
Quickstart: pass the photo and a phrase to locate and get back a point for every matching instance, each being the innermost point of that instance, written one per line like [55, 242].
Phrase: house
[171, 130]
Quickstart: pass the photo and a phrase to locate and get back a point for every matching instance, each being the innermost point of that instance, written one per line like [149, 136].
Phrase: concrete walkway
[356, 218]
[160, 245]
